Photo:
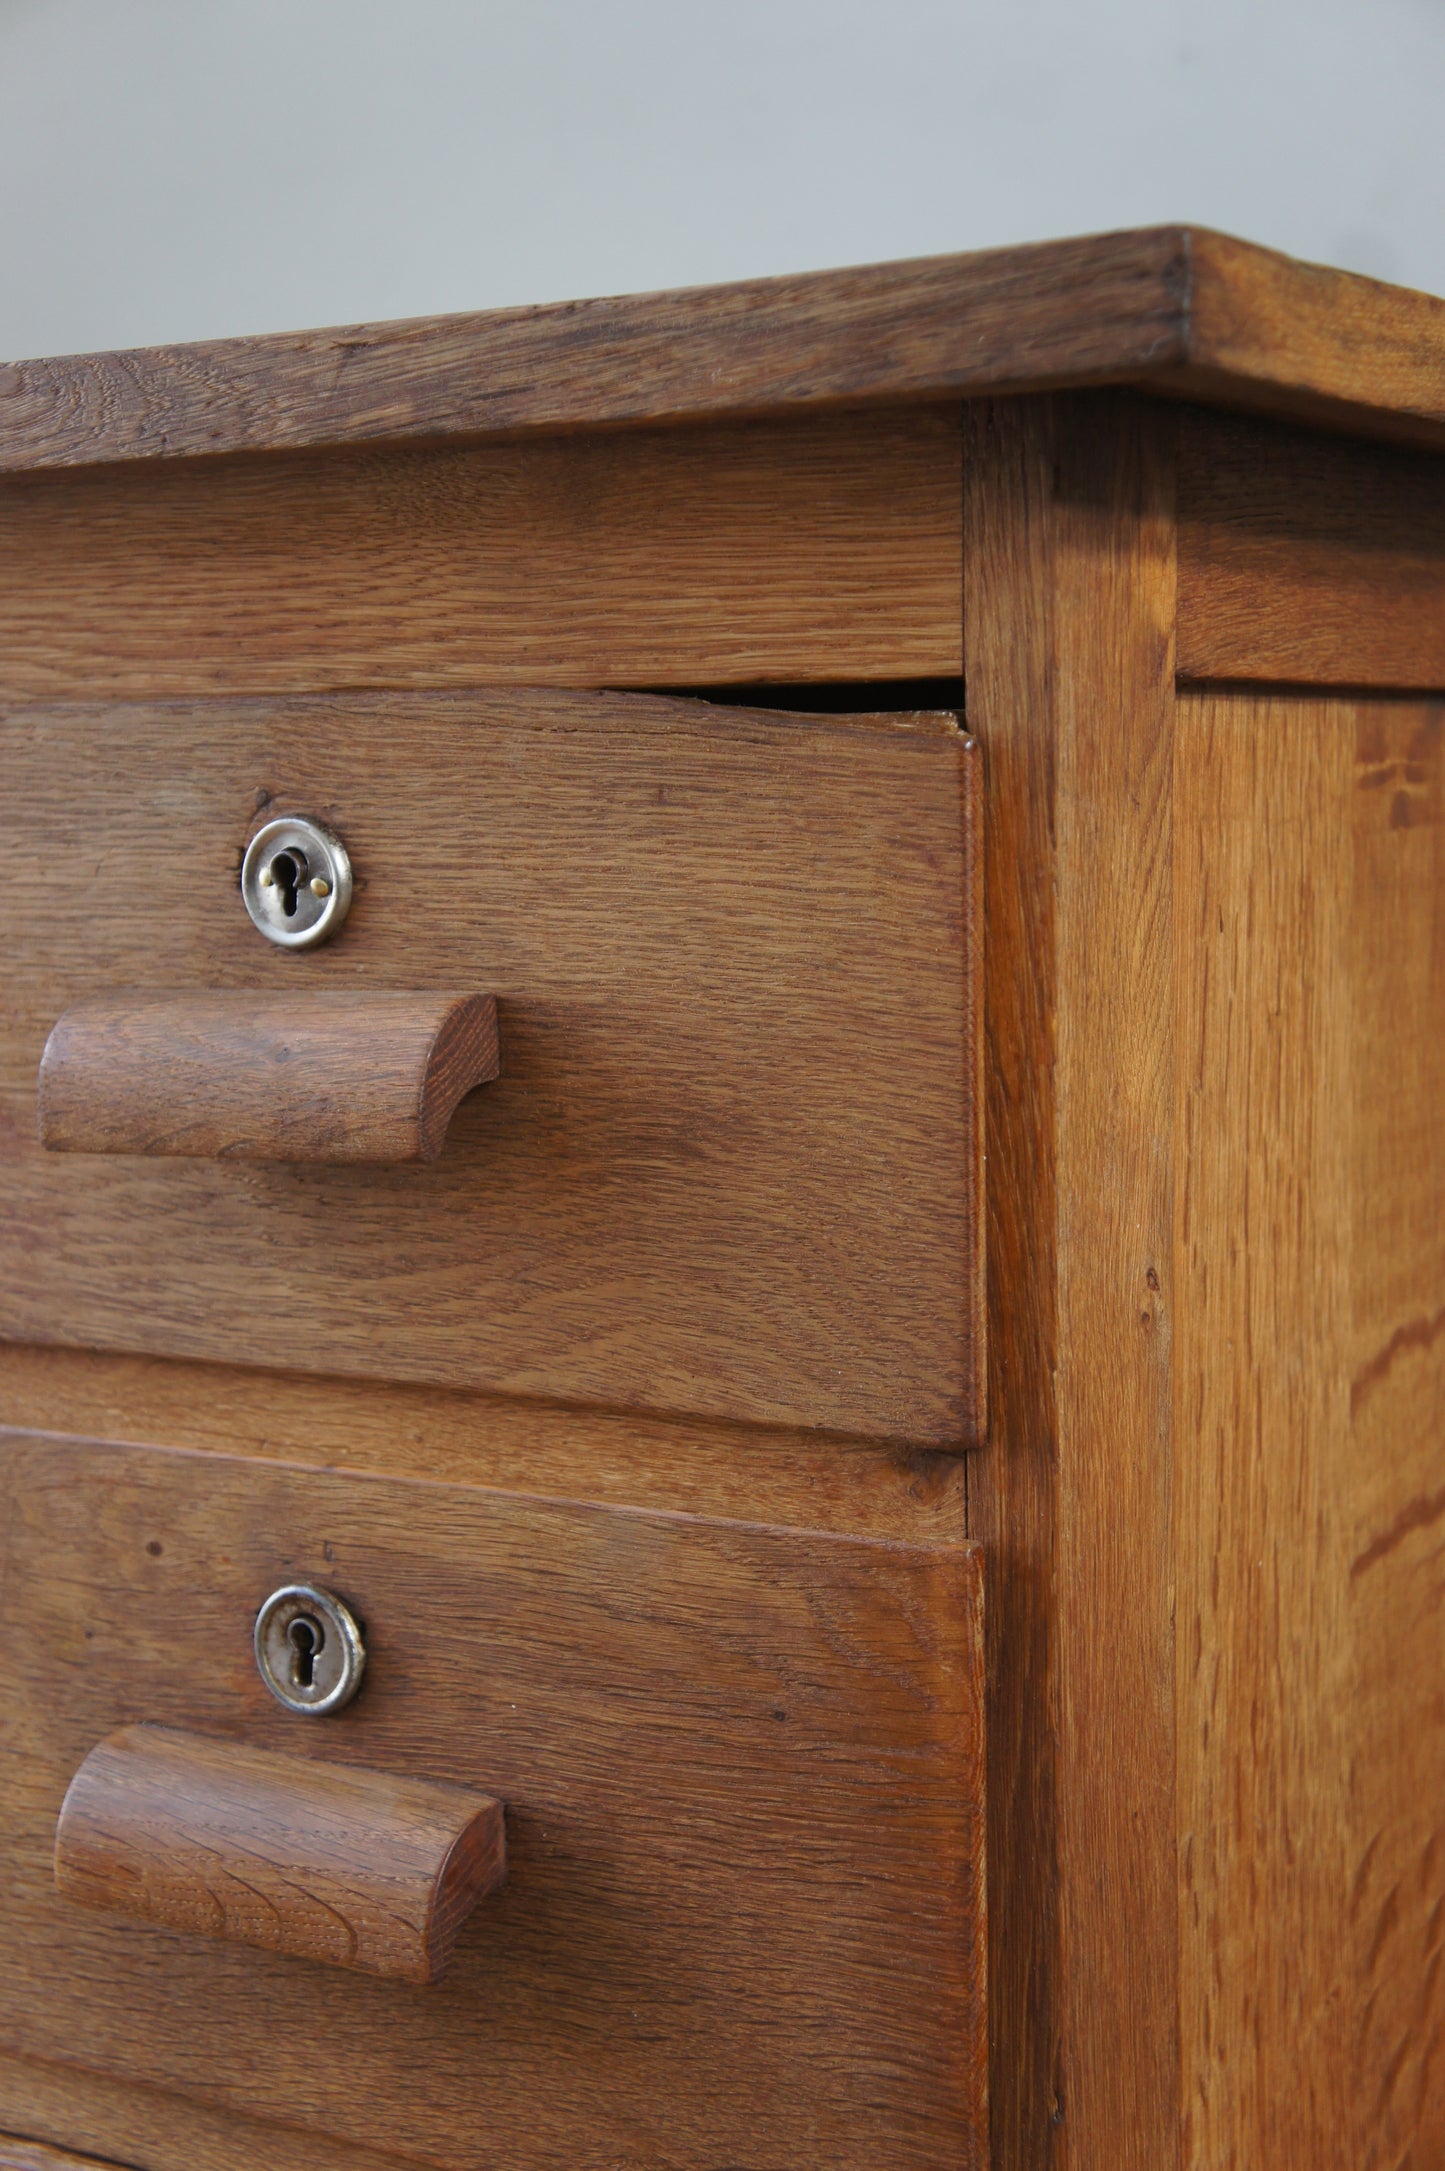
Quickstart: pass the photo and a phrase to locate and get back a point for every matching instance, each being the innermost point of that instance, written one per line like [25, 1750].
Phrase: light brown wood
[1310, 560]
[354, 1869]
[743, 1768]
[324, 1077]
[828, 548]
[1326, 346]
[732, 1164]
[687, 1465]
[1211, 1489]
[939, 327]
[1310, 1353]
[146, 2126]
[1172, 305]
[1069, 619]
[18, 2155]
[1215, 970]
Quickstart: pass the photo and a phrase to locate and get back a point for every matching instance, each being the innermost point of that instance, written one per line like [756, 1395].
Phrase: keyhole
[288, 872]
[305, 1637]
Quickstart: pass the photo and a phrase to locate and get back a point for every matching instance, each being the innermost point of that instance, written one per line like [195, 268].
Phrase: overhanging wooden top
[1174, 308]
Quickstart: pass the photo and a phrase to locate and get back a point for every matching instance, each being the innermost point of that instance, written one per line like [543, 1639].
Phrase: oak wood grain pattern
[134, 2125]
[1069, 614]
[825, 548]
[1309, 559]
[356, 1869]
[743, 1769]
[18, 2155]
[683, 1464]
[1269, 331]
[1008, 610]
[1158, 304]
[1310, 1356]
[732, 1164]
[324, 1077]
[937, 327]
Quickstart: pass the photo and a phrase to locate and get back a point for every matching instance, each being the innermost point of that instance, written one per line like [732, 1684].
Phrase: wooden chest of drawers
[899, 1437]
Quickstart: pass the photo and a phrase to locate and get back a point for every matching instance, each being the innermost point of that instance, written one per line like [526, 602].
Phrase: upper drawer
[731, 1163]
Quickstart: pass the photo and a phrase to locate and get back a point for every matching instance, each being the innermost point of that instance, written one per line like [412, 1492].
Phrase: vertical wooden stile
[1069, 661]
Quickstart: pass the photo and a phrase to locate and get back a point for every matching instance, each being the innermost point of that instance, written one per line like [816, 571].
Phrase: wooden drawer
[743, 1915]
[731, 1165]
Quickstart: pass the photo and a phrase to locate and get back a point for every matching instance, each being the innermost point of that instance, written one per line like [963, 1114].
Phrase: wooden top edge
[1173, 307]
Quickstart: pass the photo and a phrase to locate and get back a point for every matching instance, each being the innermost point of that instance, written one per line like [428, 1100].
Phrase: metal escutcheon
[308, 1649]
[296, 882]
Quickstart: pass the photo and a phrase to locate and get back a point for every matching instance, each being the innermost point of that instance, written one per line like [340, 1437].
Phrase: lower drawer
[742, 1922]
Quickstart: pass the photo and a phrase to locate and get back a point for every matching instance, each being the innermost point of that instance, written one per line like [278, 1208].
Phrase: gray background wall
[177, 169]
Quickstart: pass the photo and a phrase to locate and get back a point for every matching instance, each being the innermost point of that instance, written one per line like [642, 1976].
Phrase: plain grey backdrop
[179, 169]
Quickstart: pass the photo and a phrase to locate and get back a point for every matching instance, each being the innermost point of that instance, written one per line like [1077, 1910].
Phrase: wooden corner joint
[356, 1869]
[322, 1077]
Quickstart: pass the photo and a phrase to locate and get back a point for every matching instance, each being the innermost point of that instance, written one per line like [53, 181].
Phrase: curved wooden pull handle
[360, 1869]
[323, 1077]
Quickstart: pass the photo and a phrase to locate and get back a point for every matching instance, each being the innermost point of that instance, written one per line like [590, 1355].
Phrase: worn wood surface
[1069, 616]
[1308, 341]
[743, 1917]
[731, 1166]
[323, 1077]
[825, 548]
[1308, 559]
[357, 1869]
[1310, 1354]
[1161, 304]
[139, 2126]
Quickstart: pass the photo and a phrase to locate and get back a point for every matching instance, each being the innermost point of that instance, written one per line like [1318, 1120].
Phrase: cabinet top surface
[1176, 309]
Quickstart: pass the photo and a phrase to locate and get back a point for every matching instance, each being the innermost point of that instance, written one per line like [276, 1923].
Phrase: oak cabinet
[899, 1435]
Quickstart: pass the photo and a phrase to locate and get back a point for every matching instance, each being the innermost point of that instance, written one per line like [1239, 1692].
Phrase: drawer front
[731, 1164]
[742, 1768]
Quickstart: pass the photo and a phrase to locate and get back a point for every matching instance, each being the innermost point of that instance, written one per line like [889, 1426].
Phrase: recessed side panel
[1309, 1484]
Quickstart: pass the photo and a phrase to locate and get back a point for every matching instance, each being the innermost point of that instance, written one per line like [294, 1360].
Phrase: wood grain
[18, 2155]
[1308, 559]
[354, 1869]
[825, 548]
[685, 1464]
[732, 1165]
[743, 1918]
[145, 2126]
[1069, 619]
[939, 327]
[1311, 1396]
[324, 1077]
[1308, 341]
[1165, 304]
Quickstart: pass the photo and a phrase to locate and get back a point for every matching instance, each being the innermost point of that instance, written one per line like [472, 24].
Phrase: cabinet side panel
[1310, 922]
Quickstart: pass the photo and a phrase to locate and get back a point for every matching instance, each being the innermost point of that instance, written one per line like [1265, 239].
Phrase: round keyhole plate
[296, 882]
[336, 1651]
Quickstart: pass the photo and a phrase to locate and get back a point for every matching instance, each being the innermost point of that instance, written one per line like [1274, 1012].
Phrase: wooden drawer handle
[360, 1869]
[323, 1077]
